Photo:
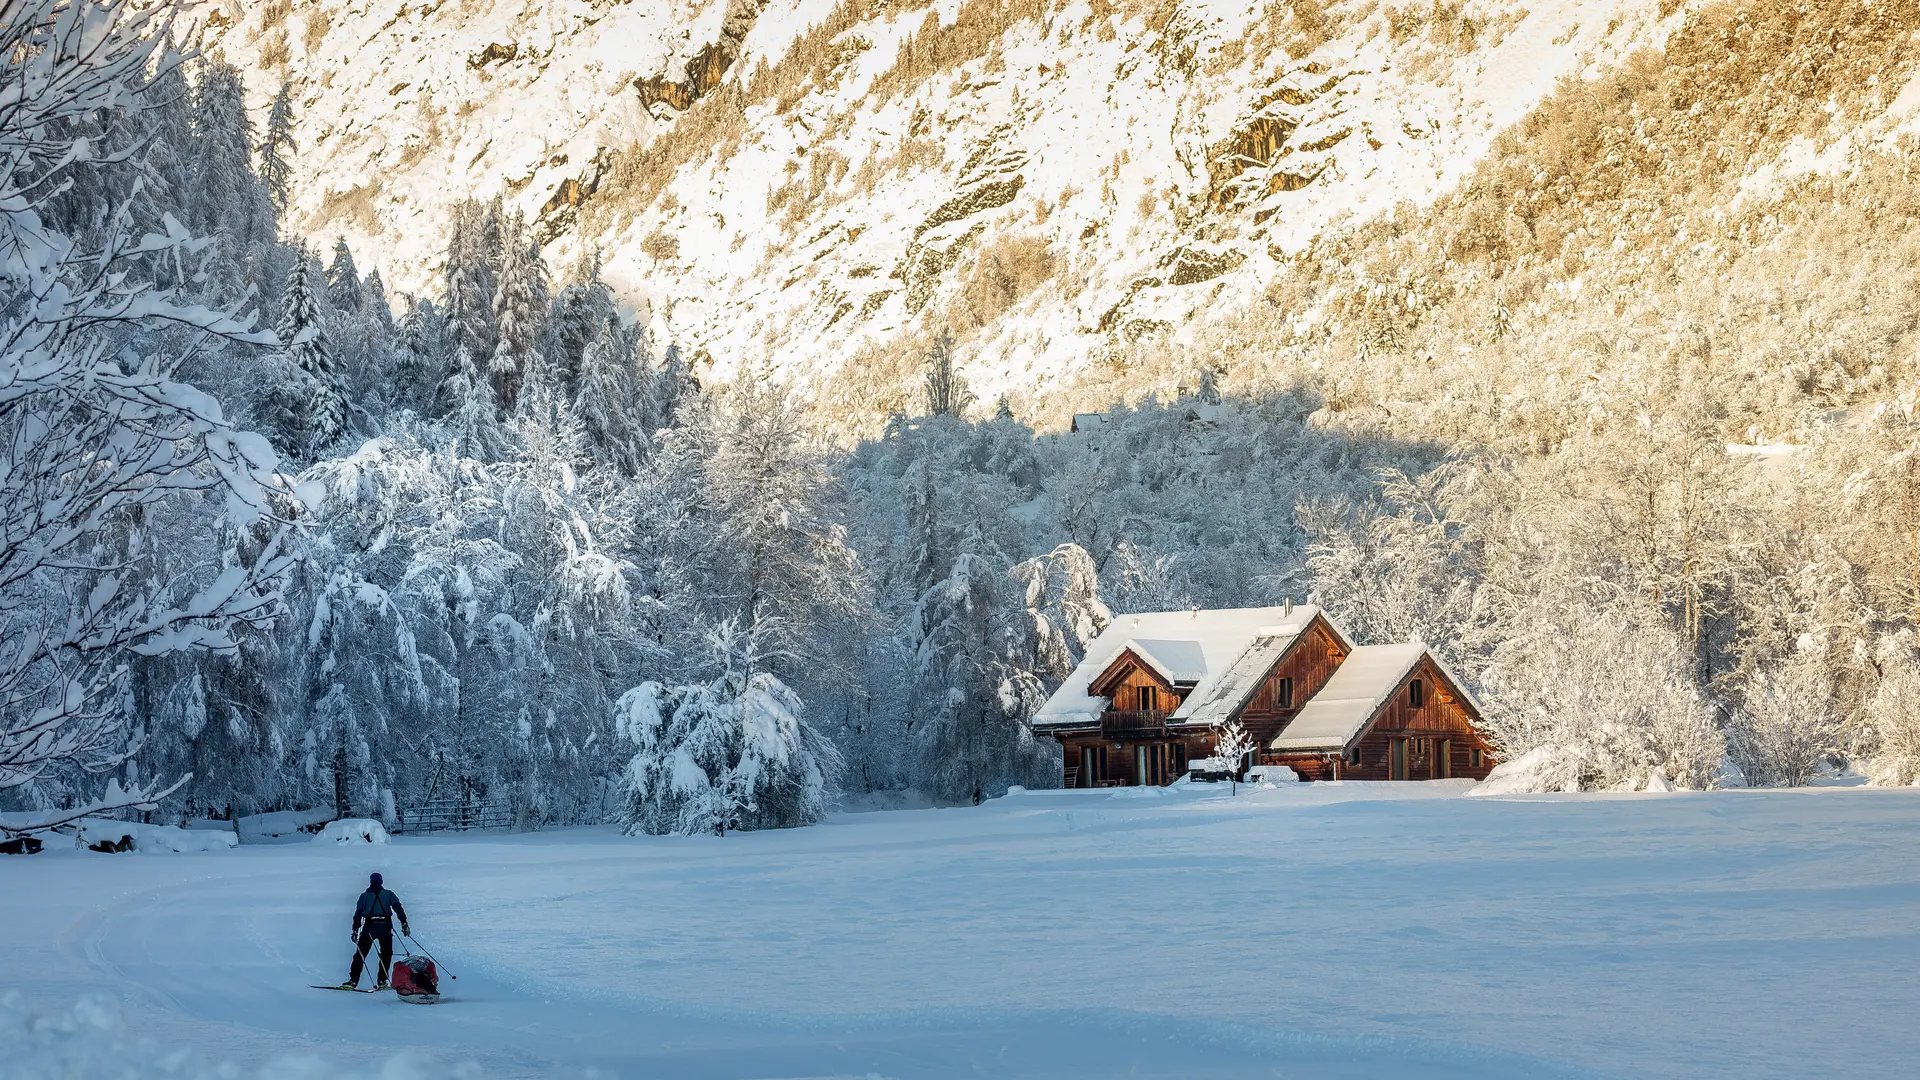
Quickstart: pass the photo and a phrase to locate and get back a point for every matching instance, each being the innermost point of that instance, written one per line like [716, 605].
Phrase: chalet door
[1396, 759]
[1442, 759]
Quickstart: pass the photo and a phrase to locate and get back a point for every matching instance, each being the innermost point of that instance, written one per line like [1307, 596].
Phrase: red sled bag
[416, 980]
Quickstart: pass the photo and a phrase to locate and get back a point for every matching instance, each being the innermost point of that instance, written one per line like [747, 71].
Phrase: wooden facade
[1299, 674]
[1423, 729]
[1433, 740]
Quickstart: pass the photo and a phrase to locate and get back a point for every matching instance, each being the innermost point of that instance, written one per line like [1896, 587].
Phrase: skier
[373, 921]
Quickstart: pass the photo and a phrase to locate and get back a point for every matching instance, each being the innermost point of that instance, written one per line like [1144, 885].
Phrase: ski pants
[381, 932]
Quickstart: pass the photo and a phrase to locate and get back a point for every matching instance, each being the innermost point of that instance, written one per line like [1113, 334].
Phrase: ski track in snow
[1320, 931]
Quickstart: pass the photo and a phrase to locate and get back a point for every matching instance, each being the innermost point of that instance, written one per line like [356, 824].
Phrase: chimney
[1288, 609]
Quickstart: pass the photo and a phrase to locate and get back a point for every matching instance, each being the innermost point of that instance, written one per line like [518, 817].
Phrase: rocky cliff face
[816, 188]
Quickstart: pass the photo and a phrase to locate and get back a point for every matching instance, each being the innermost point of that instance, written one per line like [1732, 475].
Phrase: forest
[273, 536]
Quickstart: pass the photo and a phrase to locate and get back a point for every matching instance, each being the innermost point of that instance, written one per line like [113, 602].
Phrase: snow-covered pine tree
[583, 310]
[733, 752]
[520, 307]
[373, 293]
[79, 595]
[228, 199]
[343, 280]
[973, 742]
[673, 385]
[322, 416]
[1064, 612]
[782, 560]
[470, 286]
[416, 367]
[605, 403]
[475, 425]
[277, 148]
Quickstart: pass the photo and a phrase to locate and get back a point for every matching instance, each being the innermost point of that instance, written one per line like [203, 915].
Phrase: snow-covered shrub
[1893, 716]
[353, 831]
[1787, 726]
[735, 752]
[1599, 700]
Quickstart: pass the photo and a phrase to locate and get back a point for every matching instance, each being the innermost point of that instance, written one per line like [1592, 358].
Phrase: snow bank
[353, 831]
[1541, 769]
[91, 1040]
[134, 836]
[281, 826]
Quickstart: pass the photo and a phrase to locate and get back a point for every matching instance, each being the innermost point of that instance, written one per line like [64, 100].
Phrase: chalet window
[1353, 756]
[1283, 693]
[1473, 758]
[1149, 698]
[1417, 694]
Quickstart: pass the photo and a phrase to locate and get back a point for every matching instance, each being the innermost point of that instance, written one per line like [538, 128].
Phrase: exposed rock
[494, 52]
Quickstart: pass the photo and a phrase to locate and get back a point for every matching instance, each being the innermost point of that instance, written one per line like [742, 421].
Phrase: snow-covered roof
[1178, 662]
[1228, 692]
[1359, 686]
[1197, 647]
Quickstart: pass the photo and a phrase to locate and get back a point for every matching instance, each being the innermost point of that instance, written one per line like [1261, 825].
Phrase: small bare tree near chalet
[1231, 746]
[96, 433]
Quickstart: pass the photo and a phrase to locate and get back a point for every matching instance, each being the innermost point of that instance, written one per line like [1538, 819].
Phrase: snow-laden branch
[95, 431]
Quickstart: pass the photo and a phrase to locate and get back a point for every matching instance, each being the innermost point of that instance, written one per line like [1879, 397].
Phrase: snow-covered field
[1312, 931]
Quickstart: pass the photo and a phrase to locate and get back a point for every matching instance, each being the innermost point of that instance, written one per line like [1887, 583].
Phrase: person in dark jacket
[373, 921]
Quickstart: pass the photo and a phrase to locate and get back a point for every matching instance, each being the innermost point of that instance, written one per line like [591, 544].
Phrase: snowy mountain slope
[403, 107]
[1051, 180]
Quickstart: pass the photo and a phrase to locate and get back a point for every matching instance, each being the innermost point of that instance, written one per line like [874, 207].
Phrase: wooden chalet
[1156, 687]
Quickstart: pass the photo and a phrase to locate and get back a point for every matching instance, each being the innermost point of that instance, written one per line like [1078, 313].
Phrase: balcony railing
[1133, 723]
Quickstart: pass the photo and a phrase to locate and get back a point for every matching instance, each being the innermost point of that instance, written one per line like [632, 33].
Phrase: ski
[343, 989]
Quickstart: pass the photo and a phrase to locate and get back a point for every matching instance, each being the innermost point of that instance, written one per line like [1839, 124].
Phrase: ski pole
[428, 955]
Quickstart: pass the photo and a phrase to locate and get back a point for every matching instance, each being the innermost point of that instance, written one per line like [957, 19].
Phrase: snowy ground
[1319, 931]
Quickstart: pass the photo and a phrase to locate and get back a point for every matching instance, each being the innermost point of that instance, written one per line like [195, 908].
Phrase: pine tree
[605, 403]
[277, 149]
[343, 279]
[228, 199]
[322, 418]
[470, 285]
[475, 423]
[520, 307]
[736, 752]
[584, 308]
[373, 296]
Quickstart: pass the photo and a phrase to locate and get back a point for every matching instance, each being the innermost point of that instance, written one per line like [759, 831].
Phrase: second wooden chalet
[1155, 688]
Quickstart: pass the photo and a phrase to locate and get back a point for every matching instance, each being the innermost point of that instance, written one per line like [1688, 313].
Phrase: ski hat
[373, 881]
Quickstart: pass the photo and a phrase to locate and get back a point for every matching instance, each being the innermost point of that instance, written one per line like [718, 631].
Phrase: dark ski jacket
[377, 910]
